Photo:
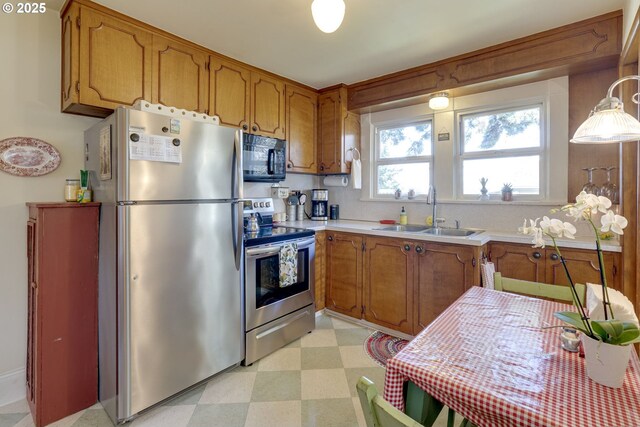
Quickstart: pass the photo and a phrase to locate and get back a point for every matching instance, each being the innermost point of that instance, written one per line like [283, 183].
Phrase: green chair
[377, 411]
[536, 289]
[380, 413]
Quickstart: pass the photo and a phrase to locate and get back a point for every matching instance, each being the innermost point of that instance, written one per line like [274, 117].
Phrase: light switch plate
[280, 192]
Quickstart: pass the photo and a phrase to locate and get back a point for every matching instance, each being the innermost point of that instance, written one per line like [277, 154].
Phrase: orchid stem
[603, 277]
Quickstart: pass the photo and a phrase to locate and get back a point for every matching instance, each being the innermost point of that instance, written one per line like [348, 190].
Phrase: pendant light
[439, 101]
[328, 14]
[608, 123]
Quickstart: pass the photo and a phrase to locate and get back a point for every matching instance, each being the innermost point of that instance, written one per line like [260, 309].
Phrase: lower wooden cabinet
[62, 335]
[389, 281]
[443, 273]
[344, 273]
[396, 283]
[320, 266]
[521, 261]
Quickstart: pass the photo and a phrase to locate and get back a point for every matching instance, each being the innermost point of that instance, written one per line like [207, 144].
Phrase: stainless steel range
[279, 282]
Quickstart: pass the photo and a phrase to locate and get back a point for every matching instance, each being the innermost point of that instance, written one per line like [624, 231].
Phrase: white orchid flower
[613, 222]
[531, 229]
[538, 239]
[556, 228]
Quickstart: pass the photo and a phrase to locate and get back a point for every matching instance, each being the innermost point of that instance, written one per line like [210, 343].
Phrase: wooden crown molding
[586, 45]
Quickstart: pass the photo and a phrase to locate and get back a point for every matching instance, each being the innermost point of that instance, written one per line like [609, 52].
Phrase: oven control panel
[262, 206]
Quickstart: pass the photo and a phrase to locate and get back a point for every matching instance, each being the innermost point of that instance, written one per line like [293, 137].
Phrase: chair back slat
[377, 411]
[537, 289]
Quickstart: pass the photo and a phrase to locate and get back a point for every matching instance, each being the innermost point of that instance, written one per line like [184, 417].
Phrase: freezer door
[182, 304]
[177, 159]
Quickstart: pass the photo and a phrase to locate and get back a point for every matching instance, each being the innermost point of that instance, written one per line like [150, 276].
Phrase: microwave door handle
[271, 157]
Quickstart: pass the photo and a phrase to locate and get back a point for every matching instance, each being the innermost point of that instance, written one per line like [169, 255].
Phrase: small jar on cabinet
[71, 188]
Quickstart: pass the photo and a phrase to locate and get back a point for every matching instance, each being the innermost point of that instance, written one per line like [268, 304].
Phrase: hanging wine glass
[610, 189]
[590, 187]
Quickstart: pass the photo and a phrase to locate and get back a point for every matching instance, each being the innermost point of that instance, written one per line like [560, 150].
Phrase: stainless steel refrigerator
[170, 289]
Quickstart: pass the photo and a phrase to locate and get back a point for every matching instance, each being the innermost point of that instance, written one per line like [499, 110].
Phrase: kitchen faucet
[431, 199]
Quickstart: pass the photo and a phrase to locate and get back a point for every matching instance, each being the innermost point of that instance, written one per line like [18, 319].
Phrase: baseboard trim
[365, 324]
[12, 386]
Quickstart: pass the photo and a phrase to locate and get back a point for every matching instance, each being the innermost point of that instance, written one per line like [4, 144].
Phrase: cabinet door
[229, 92]
[320, 269]
[267, 105]
[115, 61]
[70, 59]
[301, 119]
[388, 283]
[344, 274]
[442, 274]
[583, 266]
[179, 75]
[329, 132]
[350, 141]
[518, 261]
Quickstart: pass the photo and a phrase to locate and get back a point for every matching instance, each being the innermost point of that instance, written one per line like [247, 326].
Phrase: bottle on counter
[403, 217]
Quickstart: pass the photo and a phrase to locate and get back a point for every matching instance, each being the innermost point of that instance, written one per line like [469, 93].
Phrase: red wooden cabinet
[62, 341]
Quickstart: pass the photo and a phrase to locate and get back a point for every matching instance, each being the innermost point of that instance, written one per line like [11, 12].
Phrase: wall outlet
[280, 192]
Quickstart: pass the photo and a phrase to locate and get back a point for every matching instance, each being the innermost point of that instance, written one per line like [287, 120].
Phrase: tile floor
[310, 382]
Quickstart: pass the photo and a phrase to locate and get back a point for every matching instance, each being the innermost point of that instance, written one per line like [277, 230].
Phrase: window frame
[542, 150]
[377, 161]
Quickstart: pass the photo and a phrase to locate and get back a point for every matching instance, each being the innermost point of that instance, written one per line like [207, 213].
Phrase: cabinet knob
[407, 248]
[419, 249]
[289, 165]
[321, 167]
[554, 257]
[245, 127]
[330, 238]
[536, 255]
[254, 128]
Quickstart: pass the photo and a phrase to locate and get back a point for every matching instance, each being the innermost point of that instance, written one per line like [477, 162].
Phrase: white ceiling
[377, 37]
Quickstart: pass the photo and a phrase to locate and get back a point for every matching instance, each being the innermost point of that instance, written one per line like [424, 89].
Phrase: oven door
[265, 300]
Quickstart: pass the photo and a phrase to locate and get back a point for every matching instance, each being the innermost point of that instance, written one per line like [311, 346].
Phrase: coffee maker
[319, 204]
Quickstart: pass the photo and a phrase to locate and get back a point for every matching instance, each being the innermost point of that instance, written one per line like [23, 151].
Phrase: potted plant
[507, 192]
[607, 343]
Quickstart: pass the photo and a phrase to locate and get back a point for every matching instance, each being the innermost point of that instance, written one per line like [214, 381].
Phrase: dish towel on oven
[288, 264]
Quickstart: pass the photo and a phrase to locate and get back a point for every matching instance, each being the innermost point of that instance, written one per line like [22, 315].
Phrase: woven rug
[380, 347]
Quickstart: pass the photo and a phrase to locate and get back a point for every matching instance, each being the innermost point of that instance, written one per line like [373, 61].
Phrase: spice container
[71, 188]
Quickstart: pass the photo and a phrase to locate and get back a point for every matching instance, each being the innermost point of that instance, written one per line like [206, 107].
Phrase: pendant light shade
[608, 123]
[439, 101]
[328, 14]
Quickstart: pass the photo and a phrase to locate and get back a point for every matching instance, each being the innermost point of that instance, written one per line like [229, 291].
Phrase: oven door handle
[272, 250]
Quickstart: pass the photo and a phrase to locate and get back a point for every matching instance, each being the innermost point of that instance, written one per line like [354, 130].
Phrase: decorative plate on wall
[24, 156]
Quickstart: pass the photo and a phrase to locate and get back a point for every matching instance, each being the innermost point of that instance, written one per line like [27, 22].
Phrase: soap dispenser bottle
[403, 217]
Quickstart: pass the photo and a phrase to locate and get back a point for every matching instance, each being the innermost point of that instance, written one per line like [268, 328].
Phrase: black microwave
[264, 158]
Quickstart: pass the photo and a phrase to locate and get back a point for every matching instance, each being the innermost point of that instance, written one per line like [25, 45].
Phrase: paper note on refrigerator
[155, 148]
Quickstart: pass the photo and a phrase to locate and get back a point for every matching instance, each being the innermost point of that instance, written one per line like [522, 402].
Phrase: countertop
[370, 228]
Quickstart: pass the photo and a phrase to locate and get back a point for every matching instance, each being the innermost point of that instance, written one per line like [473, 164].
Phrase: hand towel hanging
[288, 264]
[356, 170]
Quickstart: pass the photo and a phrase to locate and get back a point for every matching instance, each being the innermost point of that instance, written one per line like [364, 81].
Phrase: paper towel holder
[354, 149]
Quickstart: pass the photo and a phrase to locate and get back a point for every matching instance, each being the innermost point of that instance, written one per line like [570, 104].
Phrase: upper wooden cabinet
[543, 265]
[301, 118]
[179, 75]
[338, 132]
[229, 92]
[245, 98]
[106, 62]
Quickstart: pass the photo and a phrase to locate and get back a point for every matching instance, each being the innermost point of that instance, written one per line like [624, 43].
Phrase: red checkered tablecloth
[488, 358]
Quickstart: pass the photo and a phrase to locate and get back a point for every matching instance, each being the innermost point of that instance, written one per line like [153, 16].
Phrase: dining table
[495, 358]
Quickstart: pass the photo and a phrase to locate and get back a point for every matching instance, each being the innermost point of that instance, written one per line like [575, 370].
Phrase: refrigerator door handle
[237, 230]
[237, 192]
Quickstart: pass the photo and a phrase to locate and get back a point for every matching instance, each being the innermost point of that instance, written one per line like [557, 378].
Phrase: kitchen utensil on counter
[387, 221]
[252, 224]
[319, 204]
[334, 212]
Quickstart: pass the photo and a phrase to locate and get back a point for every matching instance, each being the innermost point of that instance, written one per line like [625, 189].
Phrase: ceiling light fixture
[608, 123]
[439, 101]
[328, 14]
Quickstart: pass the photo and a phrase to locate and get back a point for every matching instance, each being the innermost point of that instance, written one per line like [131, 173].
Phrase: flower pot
[507, 196]
[606, 363]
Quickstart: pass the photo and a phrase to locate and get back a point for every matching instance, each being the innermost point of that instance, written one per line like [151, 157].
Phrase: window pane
[405, 177]
[522, 172]
[505, 130]
[408, 141]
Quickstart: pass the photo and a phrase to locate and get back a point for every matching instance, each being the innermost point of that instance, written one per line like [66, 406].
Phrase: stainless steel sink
[451, 232]
[407, 228]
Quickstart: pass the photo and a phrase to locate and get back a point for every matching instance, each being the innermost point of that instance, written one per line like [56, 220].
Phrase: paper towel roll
[336, 181]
